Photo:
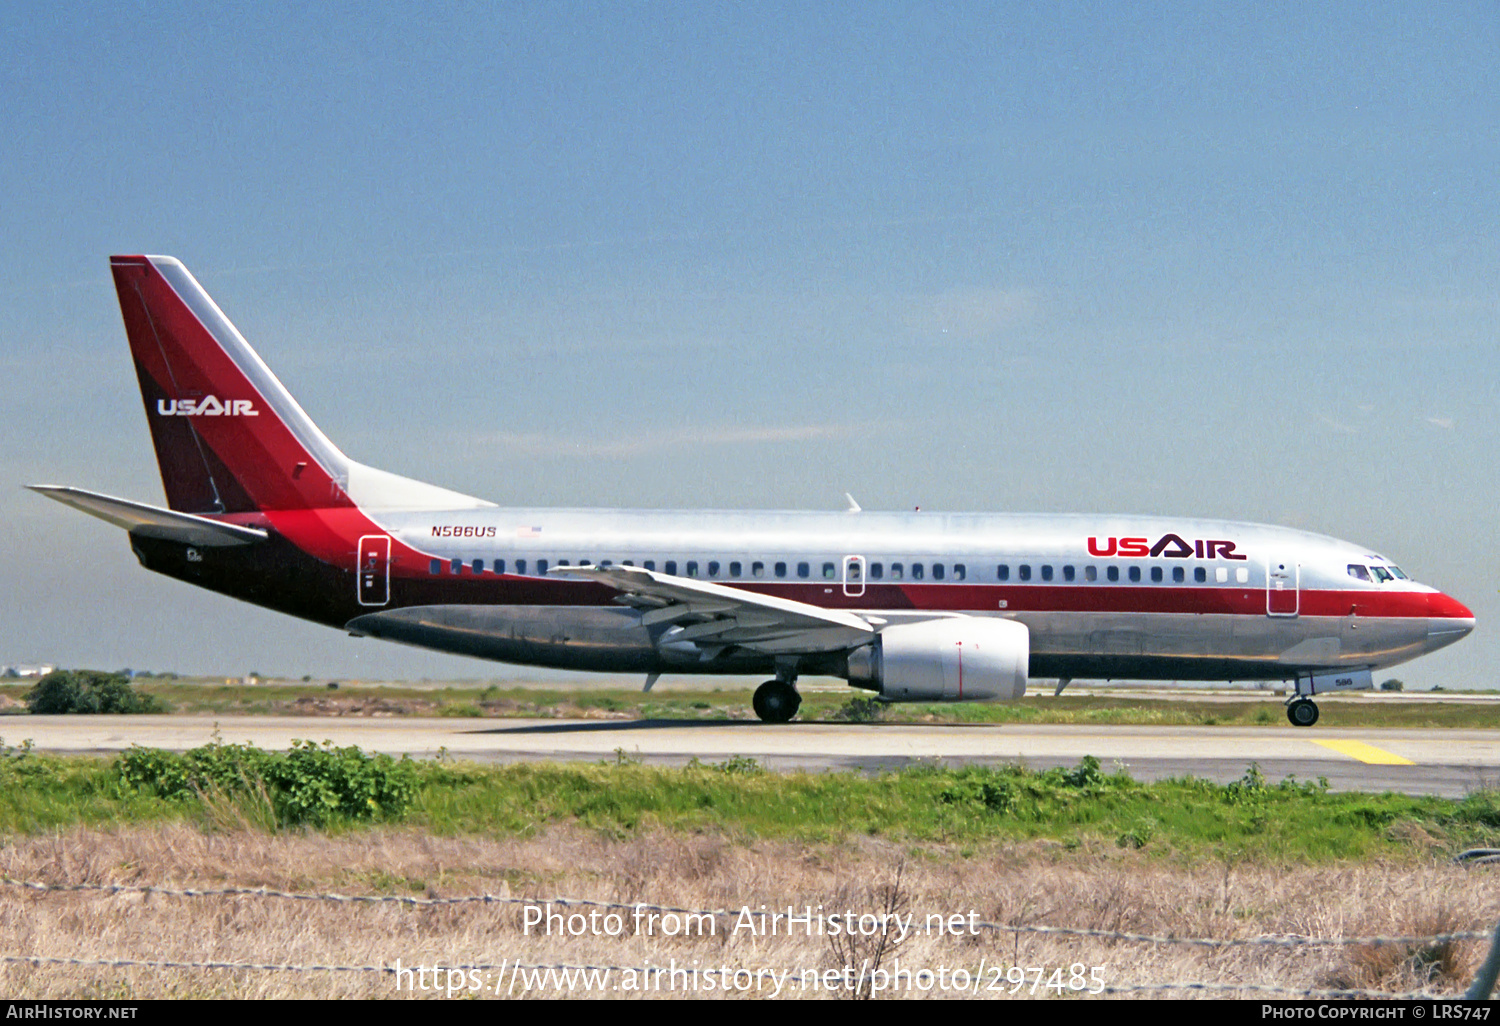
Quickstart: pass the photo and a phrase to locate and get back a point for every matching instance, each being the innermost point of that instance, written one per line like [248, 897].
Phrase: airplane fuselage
[1270, 603]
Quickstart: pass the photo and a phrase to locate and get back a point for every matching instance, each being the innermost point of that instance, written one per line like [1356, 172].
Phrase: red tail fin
[229, 437]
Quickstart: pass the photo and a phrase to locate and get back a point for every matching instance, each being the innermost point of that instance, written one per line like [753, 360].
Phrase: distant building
[27, 670]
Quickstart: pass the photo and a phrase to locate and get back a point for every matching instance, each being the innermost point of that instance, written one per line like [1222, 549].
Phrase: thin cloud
[1446, 423]
[677, 439]
[1338, 426]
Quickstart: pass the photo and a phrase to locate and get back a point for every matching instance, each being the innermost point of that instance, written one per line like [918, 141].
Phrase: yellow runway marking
[1364, 753]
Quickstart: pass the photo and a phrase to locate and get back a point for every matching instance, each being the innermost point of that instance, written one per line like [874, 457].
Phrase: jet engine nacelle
[960, 659]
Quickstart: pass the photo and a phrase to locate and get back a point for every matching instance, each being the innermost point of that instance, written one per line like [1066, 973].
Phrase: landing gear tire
[1302, 713]
[776, 701]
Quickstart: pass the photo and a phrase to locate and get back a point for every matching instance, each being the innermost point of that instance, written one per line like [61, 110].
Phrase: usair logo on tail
[209, 406]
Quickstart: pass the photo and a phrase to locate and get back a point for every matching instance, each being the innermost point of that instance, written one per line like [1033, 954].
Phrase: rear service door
[373, 575]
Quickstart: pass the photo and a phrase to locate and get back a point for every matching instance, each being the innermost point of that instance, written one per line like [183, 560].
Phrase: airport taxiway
[1423, 761]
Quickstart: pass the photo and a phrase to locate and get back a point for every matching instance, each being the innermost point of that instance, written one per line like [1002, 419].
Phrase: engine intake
[959, 659]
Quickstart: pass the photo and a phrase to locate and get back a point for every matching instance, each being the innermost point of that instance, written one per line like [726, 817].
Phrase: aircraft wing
[152, 521]
[710, 617]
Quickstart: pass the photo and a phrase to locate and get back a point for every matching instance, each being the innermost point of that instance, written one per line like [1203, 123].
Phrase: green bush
[861, 710]
[1139, 835]
[1086, 774]
[313, 784]
[88, 691]
[985, 788]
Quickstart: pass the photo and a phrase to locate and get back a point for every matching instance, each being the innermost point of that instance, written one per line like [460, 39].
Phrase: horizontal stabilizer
[152, 521]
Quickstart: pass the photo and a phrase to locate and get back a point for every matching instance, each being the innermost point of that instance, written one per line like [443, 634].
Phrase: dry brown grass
[1103, 888]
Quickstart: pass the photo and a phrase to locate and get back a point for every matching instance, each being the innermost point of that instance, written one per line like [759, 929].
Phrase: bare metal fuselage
[1081, 622]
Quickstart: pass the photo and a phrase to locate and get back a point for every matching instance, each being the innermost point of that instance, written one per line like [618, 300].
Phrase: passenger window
[1156, 575]
[757, 569]
[1200, 575]
[435, 567]
[456, 566]
[829, 571]
[734, 570]
[477, 566]
[521, 566]
[606, 562]
[1113, 573]
[877, 571]
[713, 568]
[1221, 574]
[1135, 574]
[1002, 572]
[1241, 574]
[1068, 572]
[649, 564]
[916, 571]
[780, 569]
[804, 570]
[896, 572]
[672, 567]
[1047, 572]
[499, 566]
[1024, 571]
[541, 566]
[1090, 573]
[1179, 575]
[937, 571]
[960, 572]
[692, 568]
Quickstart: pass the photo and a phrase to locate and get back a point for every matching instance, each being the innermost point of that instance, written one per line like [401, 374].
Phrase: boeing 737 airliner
[912, 606]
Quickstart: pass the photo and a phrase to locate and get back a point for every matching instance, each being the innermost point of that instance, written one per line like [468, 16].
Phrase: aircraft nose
[1448, 620]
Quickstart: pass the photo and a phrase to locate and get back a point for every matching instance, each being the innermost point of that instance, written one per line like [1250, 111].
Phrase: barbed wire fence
[1481, 988]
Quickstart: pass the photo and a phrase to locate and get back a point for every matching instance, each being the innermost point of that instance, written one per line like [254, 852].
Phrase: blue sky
[1230, 260]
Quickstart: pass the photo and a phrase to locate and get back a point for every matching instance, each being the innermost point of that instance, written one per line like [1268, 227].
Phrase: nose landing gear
[1302, 712]
[1300, 709]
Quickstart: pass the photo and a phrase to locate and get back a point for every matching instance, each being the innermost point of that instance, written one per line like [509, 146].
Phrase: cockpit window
[1358, 572]
[1396, 570]
[1381, 574]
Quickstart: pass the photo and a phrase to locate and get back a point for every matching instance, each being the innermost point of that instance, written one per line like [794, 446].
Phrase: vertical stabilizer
[229, 437]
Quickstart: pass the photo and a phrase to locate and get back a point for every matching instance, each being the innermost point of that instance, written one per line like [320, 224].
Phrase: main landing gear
[776, 701]
[1302, 712]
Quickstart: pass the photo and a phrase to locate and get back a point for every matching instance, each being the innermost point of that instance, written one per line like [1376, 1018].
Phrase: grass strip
[336, 790]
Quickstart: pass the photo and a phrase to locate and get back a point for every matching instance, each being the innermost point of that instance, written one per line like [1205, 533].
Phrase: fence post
[1484, 981]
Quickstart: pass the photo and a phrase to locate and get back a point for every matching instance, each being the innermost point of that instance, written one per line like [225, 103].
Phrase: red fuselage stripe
[331, 535]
